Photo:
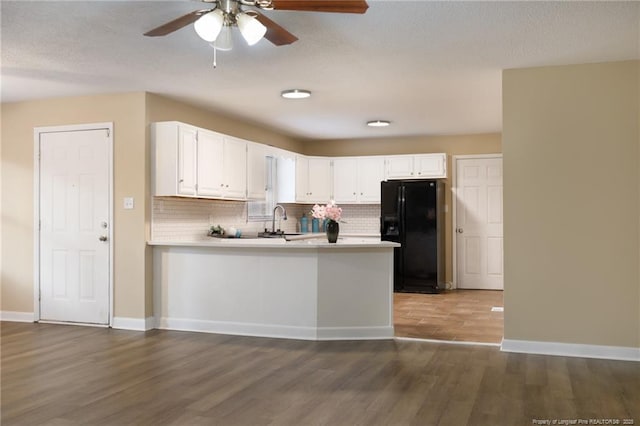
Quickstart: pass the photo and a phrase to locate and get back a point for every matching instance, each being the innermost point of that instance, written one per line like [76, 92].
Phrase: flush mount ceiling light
[295, 94]
[378, 123]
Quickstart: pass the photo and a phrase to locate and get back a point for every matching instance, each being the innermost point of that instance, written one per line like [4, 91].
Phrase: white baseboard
[354, 333]
[621, 353]
[16, 316]
[276, 331]
[136, 324]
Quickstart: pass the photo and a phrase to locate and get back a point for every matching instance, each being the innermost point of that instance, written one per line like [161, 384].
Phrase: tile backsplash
[189, 219]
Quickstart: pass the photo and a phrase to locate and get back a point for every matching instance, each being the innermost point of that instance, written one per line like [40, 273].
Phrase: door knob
[459, 230]
[103, 238]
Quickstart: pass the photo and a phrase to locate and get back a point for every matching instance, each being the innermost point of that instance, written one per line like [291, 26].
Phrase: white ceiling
[429, 67]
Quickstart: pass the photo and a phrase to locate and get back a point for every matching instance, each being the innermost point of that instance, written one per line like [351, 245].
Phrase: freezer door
[390, 211]
[391, 226]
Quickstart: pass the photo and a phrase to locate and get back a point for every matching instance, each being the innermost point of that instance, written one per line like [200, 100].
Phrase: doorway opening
[472, 310]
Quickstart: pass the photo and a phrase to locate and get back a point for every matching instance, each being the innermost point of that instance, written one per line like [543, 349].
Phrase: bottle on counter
[304, 224]
[315, 225]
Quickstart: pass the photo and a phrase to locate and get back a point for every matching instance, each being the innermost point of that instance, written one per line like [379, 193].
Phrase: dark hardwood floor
[453, 315]
[71, 375]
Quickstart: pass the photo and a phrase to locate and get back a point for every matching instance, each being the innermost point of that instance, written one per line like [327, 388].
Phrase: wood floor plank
[78, 376]
[453, 315]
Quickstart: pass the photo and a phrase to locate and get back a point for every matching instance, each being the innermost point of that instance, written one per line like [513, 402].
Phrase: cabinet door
[210, 164]
[235, 168]
[285, 179]
[302, 178]
[430, 166]
[187, 161]
[400, 167]
[320, 182]
[345, 180]
[256, 171]
[370, 174]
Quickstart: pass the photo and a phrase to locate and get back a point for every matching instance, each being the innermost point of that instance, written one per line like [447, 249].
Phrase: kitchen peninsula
[305, 289]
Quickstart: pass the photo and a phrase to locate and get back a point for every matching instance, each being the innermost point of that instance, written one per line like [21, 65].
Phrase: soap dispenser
[304, 224]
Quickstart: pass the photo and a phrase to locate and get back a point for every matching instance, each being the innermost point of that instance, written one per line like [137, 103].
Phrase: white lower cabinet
[356, 180]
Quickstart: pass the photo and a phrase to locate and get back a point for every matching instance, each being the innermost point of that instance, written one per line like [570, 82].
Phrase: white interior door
[478, 230]
[74, 233]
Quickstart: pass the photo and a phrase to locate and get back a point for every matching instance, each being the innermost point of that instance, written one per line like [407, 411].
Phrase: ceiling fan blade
[338, 6]
[275, 33]
[176, 24]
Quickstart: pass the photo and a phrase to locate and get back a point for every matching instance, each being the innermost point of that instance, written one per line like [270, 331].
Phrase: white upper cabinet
[210, 164]
[357, 179]
[192, 162]
[370, 174]
[430, 165]
[188, 161]
[256, 171]
[345, 180]
[285, 176]
[235, 168]
[313, 179]
[423, 166]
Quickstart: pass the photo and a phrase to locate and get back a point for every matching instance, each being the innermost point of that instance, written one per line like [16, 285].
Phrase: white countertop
[305, 241]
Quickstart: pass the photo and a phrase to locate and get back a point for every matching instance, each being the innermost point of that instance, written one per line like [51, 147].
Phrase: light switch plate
[128, 203]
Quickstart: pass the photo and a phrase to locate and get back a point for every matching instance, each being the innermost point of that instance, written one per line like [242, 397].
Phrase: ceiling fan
[214, 24]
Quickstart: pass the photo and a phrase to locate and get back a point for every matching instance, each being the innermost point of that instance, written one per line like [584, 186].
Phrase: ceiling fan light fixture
[251, 29]
[295, 94]
[209, 25]
[223, 42]
[378, 123]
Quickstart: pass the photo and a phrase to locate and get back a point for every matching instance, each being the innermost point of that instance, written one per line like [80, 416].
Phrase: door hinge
[108, 133]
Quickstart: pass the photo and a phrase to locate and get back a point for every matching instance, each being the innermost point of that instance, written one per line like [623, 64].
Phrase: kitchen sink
[276, 234]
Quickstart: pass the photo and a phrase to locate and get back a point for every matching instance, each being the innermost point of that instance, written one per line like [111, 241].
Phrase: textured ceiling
[429, 67]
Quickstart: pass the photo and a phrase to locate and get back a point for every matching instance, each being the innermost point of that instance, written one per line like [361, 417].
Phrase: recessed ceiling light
[378, 123]
[295, 94]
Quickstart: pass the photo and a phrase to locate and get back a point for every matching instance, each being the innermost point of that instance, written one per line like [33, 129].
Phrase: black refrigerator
[412, 214]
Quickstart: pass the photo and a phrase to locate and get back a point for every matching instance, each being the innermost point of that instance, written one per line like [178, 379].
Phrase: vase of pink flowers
[332, 213]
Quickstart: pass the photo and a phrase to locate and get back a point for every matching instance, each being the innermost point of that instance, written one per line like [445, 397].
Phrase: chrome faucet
[282, 216]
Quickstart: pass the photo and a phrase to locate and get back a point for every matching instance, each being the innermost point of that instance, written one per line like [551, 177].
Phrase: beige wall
[571, 204]
[453, 145]
[126, 111]
[160, 108]
[131, 113]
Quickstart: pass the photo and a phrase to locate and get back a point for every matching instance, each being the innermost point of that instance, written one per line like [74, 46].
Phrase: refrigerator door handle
[401, 213]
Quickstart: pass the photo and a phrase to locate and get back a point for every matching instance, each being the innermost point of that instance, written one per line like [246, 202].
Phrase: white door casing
[478, 222]
[73, 279]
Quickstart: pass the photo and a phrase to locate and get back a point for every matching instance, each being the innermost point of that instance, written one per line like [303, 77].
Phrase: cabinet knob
[226, 186]
[411, 173]
[181, 180]
[354, 193]
[221, 185]
[419, 173]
